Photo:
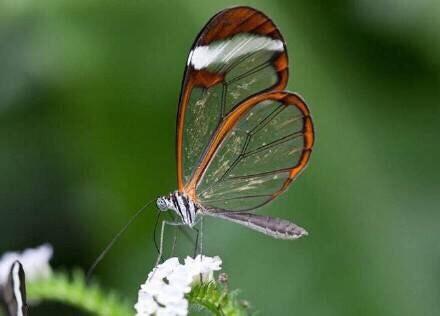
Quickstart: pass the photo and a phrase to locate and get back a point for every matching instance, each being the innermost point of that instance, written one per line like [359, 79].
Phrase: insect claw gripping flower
[164, 291]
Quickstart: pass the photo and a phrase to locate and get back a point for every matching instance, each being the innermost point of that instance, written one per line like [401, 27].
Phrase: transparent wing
[238, 54]
[256, 153]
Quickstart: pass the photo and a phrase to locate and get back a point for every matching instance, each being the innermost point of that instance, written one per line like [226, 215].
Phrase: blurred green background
[88, 99]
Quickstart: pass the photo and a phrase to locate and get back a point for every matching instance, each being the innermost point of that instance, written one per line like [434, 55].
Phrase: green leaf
[216, 299]
[74, 291]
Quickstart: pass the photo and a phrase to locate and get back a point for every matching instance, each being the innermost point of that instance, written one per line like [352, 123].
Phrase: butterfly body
[189, 212]
[241, 138]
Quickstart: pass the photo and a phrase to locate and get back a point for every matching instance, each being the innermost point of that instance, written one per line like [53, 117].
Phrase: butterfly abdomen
[271, 226]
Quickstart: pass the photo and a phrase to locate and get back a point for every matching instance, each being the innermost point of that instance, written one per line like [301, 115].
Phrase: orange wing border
[219, 27]
[233, 117]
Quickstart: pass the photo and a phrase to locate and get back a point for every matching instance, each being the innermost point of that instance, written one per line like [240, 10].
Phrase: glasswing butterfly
[241, 139]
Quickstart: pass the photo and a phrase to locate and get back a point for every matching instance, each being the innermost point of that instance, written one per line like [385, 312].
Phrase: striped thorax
[181, 204]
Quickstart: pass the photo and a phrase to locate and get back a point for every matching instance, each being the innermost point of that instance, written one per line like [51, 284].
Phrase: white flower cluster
[35, 263]
[163, 294]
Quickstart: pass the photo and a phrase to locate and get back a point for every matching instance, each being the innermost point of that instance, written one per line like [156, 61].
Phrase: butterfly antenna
[114, 240]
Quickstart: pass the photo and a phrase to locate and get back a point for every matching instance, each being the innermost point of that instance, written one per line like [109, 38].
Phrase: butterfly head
[164, 204]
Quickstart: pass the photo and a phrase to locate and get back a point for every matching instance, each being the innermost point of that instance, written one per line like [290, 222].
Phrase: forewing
[14, 291]
[238, 54]
[256, 153]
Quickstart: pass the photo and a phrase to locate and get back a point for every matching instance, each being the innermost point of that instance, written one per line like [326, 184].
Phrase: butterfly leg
[198, 247]
[201, 236]
[164, 223]
[199, 250]
[174, 243]
[195, 251]
[197, 241]
[154, 232]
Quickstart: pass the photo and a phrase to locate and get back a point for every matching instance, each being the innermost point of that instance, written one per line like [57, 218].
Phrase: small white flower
[163, 294]
[202, 268]
[35, 263]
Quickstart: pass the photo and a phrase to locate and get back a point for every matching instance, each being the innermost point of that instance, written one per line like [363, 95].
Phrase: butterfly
[241, 138]
[14, 292]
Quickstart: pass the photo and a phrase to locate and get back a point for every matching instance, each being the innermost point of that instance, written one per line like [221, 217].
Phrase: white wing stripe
[222, 52]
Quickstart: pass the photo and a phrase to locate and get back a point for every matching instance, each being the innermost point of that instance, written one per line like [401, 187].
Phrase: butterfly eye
[162, 204]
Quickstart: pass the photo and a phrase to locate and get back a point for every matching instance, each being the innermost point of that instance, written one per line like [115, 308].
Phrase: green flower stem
[217, 300]
[75, 292]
